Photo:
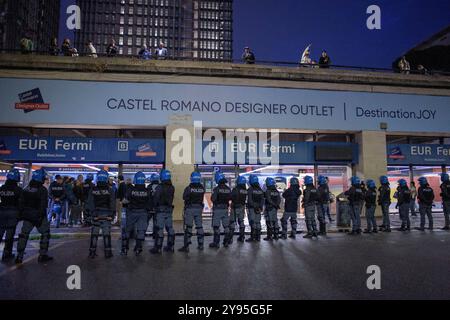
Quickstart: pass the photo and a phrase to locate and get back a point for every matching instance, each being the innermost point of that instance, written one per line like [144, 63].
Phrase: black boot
[230, 237]
[269, 234]
[125, 247]
[252, 235]
[158, 245]
[227, 240]
[216, 240]
[138, 247]
[170, 244]
[107, 244]
[93, 247]
[293, 234]
[276, 234]
[19, 258]
[241, 235]
[322, 229]
[258, 235]
[309, 235]
[284, 235]
[185, 247]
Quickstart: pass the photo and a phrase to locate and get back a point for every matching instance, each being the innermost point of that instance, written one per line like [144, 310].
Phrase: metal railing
[270, 63]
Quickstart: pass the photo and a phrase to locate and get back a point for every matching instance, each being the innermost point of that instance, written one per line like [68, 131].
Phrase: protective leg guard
[138, 247]
[322, 229]
[170, 244]
[125, 247]
[93, 247]
[258, 235]
[241, 237]
[158, 245]
[107, 246]
[252, 235]
[276, 233]
[216, 239]
[269, 233]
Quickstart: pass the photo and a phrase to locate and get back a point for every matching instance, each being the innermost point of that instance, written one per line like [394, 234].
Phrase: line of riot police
[155, 203]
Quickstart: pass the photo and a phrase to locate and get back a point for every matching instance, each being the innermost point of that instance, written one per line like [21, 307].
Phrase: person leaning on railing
[248, 56]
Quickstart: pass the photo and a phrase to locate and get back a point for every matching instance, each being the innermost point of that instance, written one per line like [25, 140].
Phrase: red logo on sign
[32, 106]
[5, 152]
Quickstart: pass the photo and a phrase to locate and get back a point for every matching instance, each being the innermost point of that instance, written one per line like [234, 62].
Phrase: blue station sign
[69, 149]
[418, 154]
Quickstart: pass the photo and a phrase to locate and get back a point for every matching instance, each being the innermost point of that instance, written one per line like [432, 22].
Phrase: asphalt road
[413, 266]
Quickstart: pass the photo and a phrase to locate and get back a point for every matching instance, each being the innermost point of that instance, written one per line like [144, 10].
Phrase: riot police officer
[221, 197]
[323, 204]
[193, 211]
[154, 182]
[10, 208]
[57, 194]
[87, 186]
[34, 215]
[404, 198]
[445, 195]
[310, 196]
[291, 196]
[163, 202]
[355, 197]
[102, 207]
[273, 200]
[255, 204]
[425, 194]
[238, 201]
[384, 200]
[138, 199]
[370, 198]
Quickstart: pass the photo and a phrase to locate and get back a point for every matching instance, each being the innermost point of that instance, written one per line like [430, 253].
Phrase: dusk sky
[279, 30]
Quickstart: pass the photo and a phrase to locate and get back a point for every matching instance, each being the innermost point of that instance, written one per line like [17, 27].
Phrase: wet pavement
[414, 265]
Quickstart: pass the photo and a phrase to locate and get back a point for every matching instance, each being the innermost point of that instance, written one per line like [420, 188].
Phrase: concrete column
[180, 144]
[372, 156]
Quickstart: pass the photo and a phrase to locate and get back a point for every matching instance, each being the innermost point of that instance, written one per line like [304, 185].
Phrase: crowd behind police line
[230, 205]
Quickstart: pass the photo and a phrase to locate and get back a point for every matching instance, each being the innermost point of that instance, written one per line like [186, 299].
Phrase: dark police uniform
[163, 201]
[272, 200]
[370, 198]
[309, 202]
[10, 208]
[404, 198]
[323, 206]
[221, 197]
[356, 198]
[384, 200]
[139, 203]
[34, 201]
[193, 211]
[291, 197]
[102, 207]
[425, 195]
[238, 201]
[255, 203]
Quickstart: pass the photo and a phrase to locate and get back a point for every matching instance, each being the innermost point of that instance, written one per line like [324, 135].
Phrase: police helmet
[139, 178]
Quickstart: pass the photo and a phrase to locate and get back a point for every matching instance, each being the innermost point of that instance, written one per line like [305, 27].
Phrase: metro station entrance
[339, 176]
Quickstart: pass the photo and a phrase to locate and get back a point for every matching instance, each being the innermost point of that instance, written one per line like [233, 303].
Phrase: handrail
[239, 61]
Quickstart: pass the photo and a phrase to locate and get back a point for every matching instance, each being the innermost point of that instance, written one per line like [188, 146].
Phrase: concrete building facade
[73, 115]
